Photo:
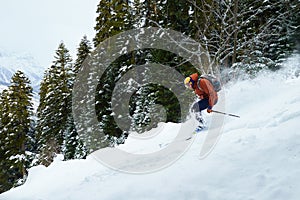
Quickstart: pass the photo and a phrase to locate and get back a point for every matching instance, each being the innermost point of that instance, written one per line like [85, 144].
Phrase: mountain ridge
[10, 62]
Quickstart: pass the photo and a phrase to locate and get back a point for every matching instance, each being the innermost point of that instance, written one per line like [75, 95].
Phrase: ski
[161, 145]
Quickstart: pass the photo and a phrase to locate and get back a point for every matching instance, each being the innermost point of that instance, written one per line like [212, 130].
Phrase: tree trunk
[235, 32]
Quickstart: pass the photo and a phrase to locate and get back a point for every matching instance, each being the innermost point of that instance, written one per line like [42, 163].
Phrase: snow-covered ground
[256, 157]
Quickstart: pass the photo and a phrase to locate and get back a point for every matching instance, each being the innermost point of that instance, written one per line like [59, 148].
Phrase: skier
[204, 89]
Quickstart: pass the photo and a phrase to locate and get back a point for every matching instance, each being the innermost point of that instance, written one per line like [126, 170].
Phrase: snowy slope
[257, 156]
[11, 62]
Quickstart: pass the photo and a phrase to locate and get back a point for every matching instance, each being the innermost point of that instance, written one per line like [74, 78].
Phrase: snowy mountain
[256, 157]
[11, 62]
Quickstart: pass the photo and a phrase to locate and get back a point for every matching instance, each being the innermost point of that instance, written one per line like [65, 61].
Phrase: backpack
[212, 79]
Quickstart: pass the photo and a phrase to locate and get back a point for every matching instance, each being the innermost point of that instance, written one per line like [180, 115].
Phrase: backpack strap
[198, 84]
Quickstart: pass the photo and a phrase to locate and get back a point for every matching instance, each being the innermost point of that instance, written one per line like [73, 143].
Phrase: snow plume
[292, 66]
[289, 68]
[257, 156]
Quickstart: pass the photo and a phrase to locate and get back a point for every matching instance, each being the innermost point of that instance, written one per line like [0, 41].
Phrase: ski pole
[232, 115]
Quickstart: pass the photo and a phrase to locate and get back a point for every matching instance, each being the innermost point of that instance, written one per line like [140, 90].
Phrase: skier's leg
[197, 108]
[201, 124]
[200, 119]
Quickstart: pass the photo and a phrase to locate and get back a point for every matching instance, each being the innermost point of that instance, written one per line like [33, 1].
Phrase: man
[206, 93]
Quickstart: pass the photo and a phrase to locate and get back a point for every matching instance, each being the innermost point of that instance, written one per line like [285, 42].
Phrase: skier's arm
[209, 90]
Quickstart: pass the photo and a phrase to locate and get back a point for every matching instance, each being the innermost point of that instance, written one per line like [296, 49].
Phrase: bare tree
[230, 29]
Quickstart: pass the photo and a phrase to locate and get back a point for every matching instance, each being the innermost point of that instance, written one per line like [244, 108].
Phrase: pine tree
[144, 108]
[6, 181]
[114, 16]
[74, 146]
[268, 29]
[152, 13]
[83, 52]
[16, 113]
[281, 43]
[55, 106]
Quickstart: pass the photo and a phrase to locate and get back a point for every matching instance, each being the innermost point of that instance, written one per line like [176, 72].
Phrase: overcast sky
[37, 27]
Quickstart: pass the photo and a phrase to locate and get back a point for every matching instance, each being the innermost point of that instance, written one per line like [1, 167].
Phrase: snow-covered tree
[74, 146]
[83, 51]
[113, 17]
[249, 34]
[16, 113]
[55, 106]
[245, 32]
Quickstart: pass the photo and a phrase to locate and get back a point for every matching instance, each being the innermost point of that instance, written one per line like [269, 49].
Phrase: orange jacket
[206, 89]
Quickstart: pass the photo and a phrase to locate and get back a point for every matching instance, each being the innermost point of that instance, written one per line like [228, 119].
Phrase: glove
[209, 109]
